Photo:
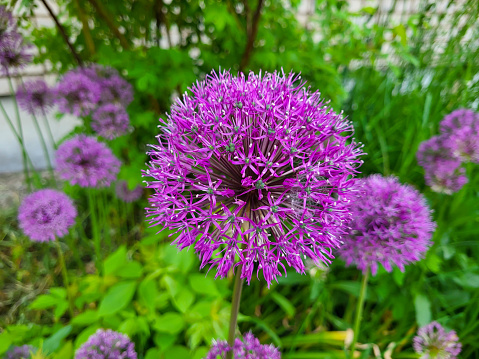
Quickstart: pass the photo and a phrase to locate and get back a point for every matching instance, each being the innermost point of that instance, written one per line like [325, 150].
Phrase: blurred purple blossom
[391, 225]
[46, 214]
[256, 169]
[84, 161]
[248, 348]
[125, 194]
[110, 121]
[21, 352]
[433, 342]
[107, 344]
[35, 97]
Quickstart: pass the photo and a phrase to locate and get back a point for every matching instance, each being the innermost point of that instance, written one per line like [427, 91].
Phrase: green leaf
[200, 353]
[45, 301]
[164, 340]
[147, 293]
[171, 323]
[131, 270]
[85, 334]
[203, 285]
[153, 353]
[65, 352]
[52, 343]
[115, 261]
[184, 299]
[177, 352]
[60, 309]
[284, 303]
[423, 309]
[117, 298]
[6, 339]
[86, 318]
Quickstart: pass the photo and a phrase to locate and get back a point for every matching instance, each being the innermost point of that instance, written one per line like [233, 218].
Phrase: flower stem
[95, 231]
[66, 282]
[359, 311]
[235, 304]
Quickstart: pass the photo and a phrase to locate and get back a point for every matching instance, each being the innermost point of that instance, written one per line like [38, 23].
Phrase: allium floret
[127, 195]
[46, 214]
[248, 348]
[110, 121]
[21, 352]
[107, 344]
[35, 97]
[84, 161]
[77, 94]
[391, 225]
[434, 342]
[254, 172]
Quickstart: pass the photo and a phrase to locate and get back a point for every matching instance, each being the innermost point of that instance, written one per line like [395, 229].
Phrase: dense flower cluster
[110, 121]
[84, 161]
[22, 352]
[391, 225]
[99, 91]
[248, 348]
[125, 194]
[13, 49]
[46, 214]
[254, 168]
[442, 156]
[433, 342]
[107, 344]
[35, 97]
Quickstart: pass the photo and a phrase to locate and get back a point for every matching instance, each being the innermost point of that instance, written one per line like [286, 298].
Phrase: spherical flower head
[446, 176]
[257, 171]
[46, 214]
[7, 24]
[461, 127]
[248, 348]
[391, 225]
[13, 53]
[433, 342]
[115, 89]
[433, 151]
[127, 195]
[22, 352]
[110, 121]
[77, 94]
[107, 344]
[35, 97]
[84, 161]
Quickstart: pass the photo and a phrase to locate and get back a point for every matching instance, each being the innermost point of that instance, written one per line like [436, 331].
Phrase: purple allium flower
[115, 89]
[84, 161]
[249, 348]
[461, 128]
[7, 25]
[110, 121]
[432, 151]
[13, 53]
[433, 342]
[256, 169]
[77, 94]
[22, 352]
[446, 176]
[107, 344]
[45, 214]
[35, 97]
[127, 195]
[391, 224]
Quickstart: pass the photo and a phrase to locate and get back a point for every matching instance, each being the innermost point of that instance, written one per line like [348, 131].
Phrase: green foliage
[391, 81]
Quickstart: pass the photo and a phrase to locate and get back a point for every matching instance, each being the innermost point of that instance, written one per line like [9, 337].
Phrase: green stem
[49, 131]
[95, 231]
[235, 304]
[66, 282]
[44, 145]
[359, 311]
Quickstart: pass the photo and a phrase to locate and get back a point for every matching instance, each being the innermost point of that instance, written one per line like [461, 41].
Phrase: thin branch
[85, 29]
[251, 34]
[110, 23]
[63, 33]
